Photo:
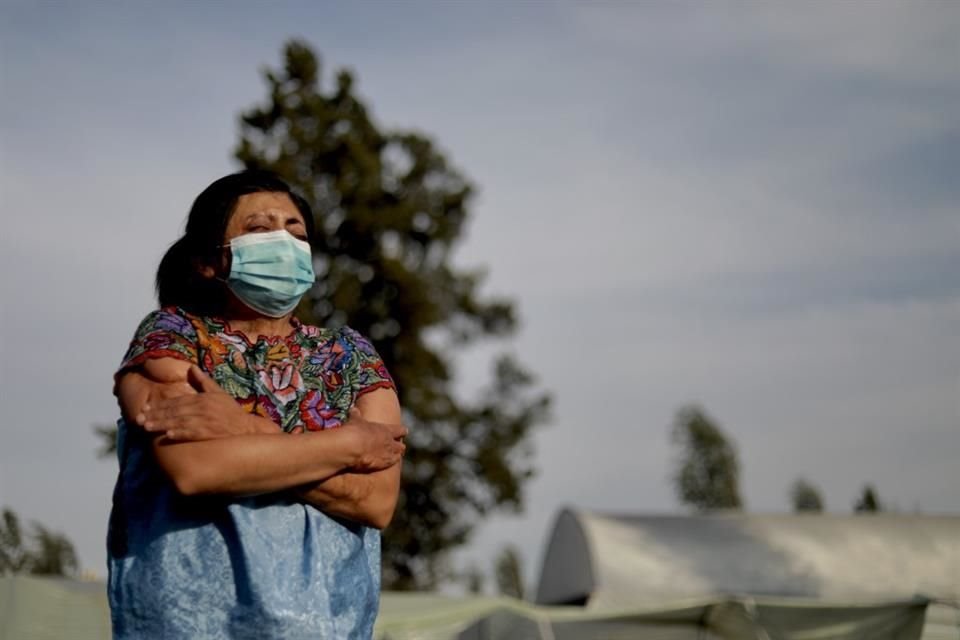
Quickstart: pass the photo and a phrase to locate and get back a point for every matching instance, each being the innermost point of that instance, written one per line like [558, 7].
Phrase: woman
[224, 525]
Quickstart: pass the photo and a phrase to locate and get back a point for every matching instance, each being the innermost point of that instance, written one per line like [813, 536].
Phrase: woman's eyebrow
[253, 215]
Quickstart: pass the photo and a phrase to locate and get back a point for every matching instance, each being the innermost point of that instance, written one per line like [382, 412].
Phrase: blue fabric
[208, 567]
[217, 567]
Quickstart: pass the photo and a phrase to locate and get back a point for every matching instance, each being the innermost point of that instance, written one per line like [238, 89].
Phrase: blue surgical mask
[270, 272]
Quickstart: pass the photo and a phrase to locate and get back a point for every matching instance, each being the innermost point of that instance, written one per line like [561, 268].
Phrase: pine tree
[50, 554]
[708, 474]
[53, 553]
[805, 497]
[389, 210]
[14, 557]
[509, 572]
[868, 502]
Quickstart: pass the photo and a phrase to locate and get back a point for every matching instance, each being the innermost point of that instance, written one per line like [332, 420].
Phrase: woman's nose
[276, 222]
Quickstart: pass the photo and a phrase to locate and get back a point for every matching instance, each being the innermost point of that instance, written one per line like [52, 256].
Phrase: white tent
[809, 562]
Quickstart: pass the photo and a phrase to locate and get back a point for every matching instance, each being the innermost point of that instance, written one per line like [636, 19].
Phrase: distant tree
[707, 474]
[14, 557]
[107, 434]
[50, 554]
[805, 497]
[868, 502]
[509, 572]
[389, 209]
[474, 580]
[53, 553]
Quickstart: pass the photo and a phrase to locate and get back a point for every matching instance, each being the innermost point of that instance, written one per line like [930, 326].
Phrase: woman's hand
[208, 414]
[366, 498]
[156, 379]
[380, 444]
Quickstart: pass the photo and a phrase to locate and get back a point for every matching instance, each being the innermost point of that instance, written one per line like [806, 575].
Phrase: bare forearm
[210, 445]
[253, 464]
[366, 498]
[369, 498]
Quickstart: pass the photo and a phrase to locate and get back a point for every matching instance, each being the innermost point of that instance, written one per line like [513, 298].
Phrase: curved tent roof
[613, 561]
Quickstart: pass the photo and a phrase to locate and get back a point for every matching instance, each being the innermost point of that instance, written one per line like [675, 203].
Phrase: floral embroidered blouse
[268, 566]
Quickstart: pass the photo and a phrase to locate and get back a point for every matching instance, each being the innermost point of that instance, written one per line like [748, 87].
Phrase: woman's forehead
[267, 204]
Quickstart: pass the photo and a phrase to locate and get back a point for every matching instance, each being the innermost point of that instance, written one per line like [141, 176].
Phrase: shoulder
[338, 347]
[353, 338]
[370, 371]
[163, 333]
[169, 320]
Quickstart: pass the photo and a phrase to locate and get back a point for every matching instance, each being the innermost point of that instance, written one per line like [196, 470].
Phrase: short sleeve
[368, 371]
[165, 333]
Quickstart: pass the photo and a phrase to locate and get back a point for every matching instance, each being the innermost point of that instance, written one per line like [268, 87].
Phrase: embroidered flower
[316, 414]
[229, 339]
[278, 352]
[261, 406]
[331, 379]
[174, 323]
[378, 371]
[330, 356]
[359, 341]
[157, 341]
[215, 354]
[238, 362]
[282, 381]
[310, 331]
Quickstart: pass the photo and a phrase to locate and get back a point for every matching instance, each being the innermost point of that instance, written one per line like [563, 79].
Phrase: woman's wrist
[258, 424]
[351, 445]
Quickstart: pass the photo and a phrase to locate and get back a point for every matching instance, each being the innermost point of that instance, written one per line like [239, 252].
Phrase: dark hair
[179, 282]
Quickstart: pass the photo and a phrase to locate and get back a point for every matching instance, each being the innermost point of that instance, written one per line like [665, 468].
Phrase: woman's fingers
[385, 447]
[162, 393]
[396, 430]
[161, 415]
[182, 434]
[201, 381]
[167, 409]
[170, 391]
[198, 416]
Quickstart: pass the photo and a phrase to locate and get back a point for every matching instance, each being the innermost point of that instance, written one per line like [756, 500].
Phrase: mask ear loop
[217, 277]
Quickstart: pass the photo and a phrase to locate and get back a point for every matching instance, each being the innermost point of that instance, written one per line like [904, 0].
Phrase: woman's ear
[205, 269]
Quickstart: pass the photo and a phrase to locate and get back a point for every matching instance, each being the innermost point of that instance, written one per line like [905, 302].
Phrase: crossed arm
[206, 443]
[368, 498]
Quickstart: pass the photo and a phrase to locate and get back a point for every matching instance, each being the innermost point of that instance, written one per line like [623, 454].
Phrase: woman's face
[264, 211]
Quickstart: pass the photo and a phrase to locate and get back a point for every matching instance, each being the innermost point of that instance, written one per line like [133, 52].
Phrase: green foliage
[868, 502]
[53, 553]
[50, 554]
[509, 572]
[708, 474]
[805, 497]
[389, 211]
[14, 557]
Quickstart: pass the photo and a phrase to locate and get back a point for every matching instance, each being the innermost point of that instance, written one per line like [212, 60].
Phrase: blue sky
[749, 206]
